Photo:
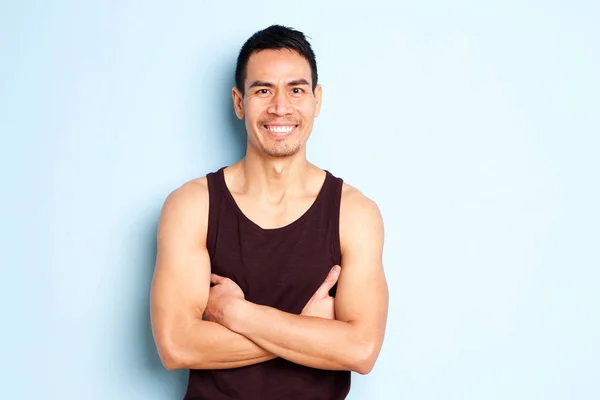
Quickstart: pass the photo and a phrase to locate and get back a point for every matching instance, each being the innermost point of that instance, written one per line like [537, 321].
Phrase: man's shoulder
[354, 201]
[188, 202]
[358, 213]
[191, 191]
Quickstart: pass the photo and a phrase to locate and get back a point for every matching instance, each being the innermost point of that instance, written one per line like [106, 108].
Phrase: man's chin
[281, 152]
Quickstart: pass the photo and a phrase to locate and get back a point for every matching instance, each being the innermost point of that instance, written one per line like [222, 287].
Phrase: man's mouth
[280, 130]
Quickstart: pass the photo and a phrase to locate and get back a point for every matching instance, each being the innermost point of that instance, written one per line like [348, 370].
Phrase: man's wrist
[236, 313]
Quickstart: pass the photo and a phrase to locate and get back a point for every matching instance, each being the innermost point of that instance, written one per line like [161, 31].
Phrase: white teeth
[280, 129]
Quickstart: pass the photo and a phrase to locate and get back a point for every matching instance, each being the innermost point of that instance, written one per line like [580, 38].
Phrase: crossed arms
[199, 327]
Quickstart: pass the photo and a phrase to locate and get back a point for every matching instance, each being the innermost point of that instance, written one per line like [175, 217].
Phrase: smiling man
[269, 281]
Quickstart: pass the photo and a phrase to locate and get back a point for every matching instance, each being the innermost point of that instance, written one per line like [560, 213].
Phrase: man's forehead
[278, 64]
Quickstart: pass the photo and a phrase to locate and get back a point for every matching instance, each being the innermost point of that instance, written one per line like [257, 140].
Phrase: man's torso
[278, 261]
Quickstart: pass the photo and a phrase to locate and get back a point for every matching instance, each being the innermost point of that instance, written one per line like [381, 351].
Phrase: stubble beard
[281, 149]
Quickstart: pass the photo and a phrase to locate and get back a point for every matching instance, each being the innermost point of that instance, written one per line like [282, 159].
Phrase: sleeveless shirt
[280, 268]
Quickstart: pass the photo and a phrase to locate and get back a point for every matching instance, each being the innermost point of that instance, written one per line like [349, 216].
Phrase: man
[294, 255]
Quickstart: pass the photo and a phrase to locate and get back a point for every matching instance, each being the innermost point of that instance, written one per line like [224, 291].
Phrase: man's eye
[297, 91]
[263, 91]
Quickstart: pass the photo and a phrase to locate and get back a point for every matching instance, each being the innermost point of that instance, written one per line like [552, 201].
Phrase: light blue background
[475, 126]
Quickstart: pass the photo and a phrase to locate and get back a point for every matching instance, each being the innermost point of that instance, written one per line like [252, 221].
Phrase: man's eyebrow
[298, 82]
[295, 82]
[261, 83]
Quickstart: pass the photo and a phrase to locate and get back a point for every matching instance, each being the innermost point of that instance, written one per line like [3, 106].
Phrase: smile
[280, 130]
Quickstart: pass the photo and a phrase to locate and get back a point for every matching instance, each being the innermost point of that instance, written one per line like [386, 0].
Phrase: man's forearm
[208, 345]
[310, 341]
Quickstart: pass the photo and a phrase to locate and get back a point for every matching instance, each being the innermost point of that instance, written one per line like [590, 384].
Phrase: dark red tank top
[280, 268]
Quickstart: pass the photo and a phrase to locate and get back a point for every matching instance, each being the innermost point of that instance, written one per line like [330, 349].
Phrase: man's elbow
[171, 356]
[365, 358]
[170, 362]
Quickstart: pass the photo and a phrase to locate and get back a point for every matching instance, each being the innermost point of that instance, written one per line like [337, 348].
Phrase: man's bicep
[181, 279]
[362, 293]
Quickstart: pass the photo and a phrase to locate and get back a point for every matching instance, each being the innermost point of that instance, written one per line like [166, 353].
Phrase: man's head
[276, 90]
[275, 37]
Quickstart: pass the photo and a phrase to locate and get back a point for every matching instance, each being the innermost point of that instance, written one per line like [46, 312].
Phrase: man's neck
[275, 177]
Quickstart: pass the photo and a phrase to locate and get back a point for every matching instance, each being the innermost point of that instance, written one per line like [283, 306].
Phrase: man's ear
[238, 102]
[318, 99]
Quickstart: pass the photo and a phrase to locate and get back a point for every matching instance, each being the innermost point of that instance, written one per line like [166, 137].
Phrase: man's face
[279, 105]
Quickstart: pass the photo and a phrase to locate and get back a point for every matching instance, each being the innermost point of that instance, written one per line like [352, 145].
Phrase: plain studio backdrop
[474, 126]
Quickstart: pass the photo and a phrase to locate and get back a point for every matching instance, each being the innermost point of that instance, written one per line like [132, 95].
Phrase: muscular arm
[354, 339]
[180, 290]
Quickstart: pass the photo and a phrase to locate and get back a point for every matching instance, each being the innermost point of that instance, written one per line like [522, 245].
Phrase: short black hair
[275, 37]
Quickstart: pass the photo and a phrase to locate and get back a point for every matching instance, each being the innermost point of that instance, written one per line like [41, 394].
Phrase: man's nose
[280, 104]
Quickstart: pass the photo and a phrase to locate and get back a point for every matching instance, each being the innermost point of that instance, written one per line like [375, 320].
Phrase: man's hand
[321, 304]
[222, 298]
[226, 293]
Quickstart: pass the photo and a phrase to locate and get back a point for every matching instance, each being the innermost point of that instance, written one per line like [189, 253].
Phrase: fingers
[216, 279]
[334, 273]
[329, 282]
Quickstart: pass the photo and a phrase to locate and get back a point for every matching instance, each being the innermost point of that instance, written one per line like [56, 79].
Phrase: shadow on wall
[169, 381]
[217, 136]
[222, 146]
